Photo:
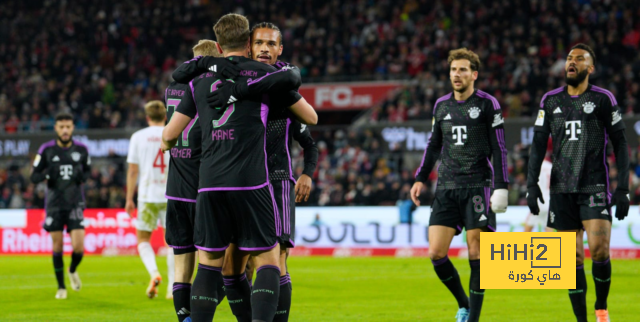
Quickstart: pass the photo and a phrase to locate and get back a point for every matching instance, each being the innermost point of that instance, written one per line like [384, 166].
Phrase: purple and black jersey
[580, 127]
[282, 129]
[467, 134]
[182, 183]
[234, 153]
[65, 169]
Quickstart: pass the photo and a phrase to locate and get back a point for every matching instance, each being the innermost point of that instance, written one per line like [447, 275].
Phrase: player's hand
[499, 200]
[226, 94]
[164, 147]
[223, 67]
[415, 192]
[303, 188]
[129, 206]
[621, 200]
[533, 194]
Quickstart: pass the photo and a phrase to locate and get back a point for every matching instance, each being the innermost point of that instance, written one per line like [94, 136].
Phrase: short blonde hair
[155, 110]
[232, 31]
[464, 53]
[206, 47]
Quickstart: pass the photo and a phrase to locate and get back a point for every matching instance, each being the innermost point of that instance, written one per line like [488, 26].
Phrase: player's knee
[474, 254]
[600, 253]
[435, 254]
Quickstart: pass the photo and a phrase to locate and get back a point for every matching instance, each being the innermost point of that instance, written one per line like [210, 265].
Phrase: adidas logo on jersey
[55, 159]
[482, 218]
[303, 127]
[605, 212]
[231, 100]
[448, 117]
[557, 111]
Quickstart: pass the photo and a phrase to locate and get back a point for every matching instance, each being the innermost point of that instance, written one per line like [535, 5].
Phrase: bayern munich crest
[75, 156]
[474, 112]
[588, 107]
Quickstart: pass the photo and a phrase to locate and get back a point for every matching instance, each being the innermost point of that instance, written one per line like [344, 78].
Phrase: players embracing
[468, 138]
[581, 118]
[236, 210]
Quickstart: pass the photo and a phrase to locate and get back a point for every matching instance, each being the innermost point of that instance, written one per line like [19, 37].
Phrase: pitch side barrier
[340, 232]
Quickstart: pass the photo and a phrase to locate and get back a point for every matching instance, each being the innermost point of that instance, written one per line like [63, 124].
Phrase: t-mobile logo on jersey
[459, 134]
[66, 170]
[573, 129]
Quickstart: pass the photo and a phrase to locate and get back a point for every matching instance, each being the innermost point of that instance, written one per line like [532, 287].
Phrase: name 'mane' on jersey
[580, 127]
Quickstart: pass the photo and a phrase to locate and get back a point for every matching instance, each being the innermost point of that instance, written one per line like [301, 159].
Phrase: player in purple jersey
[182, 189]
[282, 128]
[468, 131]
[582, 119]
[235, 206]
[64, 163]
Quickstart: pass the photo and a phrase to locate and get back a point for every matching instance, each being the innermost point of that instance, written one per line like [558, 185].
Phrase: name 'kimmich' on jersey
[579, 126]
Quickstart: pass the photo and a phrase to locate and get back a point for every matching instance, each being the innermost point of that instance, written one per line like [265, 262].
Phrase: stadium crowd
[103, 60]
[353, 169]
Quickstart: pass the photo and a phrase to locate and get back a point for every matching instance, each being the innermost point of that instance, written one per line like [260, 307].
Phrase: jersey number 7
[183, 140]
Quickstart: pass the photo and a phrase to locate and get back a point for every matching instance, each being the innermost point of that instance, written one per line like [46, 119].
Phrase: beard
[577, 80]
[63, 141]
[461, 89]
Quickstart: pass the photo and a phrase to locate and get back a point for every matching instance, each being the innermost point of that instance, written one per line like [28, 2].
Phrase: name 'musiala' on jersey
[468, 133]
[182, 183]
[234, 155]
[579, 126]
[63, 165]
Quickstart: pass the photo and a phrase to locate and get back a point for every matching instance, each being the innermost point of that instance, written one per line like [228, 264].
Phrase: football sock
[148, 258]
[238, 296]
[448, 274]
[76, 258]
[58, 268]
[602, 277]
[476, 294]
[265, 293]
[171, 266]
[181, 300]
[221, 290]
[204, 297]
[284, 300]
[578, 296]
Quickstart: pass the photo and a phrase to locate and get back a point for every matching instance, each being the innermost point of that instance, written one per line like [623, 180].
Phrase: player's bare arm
[304, 112]
[171, 132]
[132, 178]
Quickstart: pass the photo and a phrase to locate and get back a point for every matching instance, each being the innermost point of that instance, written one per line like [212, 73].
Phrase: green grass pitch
[324, 289]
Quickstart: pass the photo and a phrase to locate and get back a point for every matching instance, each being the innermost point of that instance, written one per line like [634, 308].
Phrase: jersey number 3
[158, 162]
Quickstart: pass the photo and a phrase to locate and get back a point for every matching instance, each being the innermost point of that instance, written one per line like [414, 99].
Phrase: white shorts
[148, 215]
[539, 221]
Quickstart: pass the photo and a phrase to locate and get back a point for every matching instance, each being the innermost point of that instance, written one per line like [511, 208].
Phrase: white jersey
[144, 150]
[544, 182]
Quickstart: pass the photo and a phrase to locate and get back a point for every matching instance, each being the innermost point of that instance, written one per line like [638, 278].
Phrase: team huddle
[219, 176]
